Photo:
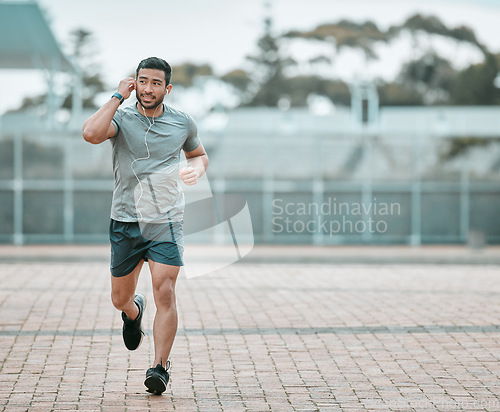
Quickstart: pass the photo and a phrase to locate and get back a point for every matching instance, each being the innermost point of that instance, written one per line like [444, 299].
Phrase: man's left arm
[197, 165]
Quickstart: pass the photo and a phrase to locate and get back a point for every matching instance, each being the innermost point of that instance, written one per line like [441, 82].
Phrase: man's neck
[154, 112]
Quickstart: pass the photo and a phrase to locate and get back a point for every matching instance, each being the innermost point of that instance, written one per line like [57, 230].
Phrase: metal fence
[56, 188]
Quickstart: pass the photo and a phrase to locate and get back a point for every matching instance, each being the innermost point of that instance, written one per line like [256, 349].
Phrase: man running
[148, 202]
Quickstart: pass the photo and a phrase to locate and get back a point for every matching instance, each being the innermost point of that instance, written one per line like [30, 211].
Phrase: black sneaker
[157, 379]
[132, 329]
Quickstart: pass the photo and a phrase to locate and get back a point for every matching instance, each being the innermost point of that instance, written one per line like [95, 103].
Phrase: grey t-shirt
[146, 154]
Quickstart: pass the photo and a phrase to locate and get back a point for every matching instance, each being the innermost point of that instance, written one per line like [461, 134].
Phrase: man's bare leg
[123, 292]
[165, 322]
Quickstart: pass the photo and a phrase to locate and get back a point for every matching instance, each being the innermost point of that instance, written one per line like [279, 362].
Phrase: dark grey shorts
[132, 242]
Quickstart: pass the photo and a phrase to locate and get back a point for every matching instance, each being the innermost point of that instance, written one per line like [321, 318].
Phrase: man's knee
[121, 299]
[164, 294]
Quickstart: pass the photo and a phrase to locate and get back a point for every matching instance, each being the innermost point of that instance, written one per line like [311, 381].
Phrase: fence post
[18, 189]
[464, 203]
[68, 191]
[416, 194]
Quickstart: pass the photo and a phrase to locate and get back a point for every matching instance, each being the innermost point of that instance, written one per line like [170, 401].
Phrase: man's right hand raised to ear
[98, 127]
[126, 87]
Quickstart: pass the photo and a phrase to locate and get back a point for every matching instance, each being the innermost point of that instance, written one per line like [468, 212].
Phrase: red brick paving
[258, 337]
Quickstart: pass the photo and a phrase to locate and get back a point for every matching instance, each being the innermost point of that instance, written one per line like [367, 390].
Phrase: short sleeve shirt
[146, 156]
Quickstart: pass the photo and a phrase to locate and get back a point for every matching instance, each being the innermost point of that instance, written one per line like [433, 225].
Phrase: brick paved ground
[258, 337]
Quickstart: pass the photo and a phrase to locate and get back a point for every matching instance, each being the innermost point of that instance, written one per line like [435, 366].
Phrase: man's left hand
[188, 175]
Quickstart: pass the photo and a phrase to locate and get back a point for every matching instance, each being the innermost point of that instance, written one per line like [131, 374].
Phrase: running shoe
[133, 332]
[157, 379]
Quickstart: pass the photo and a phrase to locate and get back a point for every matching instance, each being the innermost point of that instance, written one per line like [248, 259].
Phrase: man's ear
[168, 89]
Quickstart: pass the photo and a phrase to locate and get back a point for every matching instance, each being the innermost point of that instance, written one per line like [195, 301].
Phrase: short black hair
[157, 64]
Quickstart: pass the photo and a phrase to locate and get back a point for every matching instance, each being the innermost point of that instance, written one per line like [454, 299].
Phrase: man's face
[151, 87]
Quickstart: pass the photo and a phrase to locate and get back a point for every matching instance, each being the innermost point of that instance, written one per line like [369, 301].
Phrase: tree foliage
[269, 74]
[237, 78]
[433, 25]
[82, 44]
[345, 33]
[430, 76]
[398, 94]
[300, 87]
[475, 84]
[429, 79]
[184, 74]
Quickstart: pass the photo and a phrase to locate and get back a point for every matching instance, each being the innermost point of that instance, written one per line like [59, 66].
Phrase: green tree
[82, 45]
[397, 94]
[475, 84]
[238, 78]
[430, 76]
[269, 77]
[300, 87]
[347, 34]
[433, 25]
[184, 74]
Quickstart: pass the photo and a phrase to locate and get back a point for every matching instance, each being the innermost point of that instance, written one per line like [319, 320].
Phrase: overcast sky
[223, 32]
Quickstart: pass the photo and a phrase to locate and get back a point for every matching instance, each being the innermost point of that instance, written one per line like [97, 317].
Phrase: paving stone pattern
[258, 337]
